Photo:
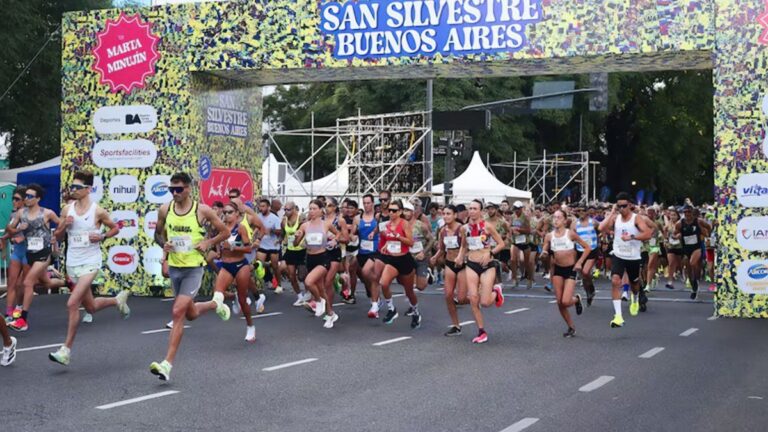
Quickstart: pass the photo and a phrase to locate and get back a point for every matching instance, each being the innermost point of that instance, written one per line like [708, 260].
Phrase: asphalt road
[527, 377]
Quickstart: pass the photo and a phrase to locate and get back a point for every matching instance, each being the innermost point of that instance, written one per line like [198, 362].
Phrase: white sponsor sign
[128, 221]
[752, 190]
[138, 153]
[765, 113]
[97, 190]
[151, 260]
[125, 119]
[752, 233]
[752, 276]
[150, 222]
[156, 189]
[123, 259]
[123, 188]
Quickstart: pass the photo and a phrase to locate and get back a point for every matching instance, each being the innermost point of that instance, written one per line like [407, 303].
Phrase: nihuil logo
[758, 271]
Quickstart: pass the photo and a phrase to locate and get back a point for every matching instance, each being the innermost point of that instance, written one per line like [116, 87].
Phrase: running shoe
[330, 319]
[87, 318]
[430, 277]
[122, 303]
[634, 306]
[570, 333]
[548, 287]
[579, 306]
[162, 370]
[482, 337]
[250, 334]
[222, 310]
[260, 303]
[349, 299]
[16, 313]
[530, 284]
[499, 295]
[299, 301]
[9, 319]
[373, 312]
[235, 306]
[416, 321]
[712, 287]
[337, 285]
[320, 308]
[310, 306]
[19, 325]
[275, 284]
[61, 356]
[647, 288]
[694, 290]
[409, 312]
[596, 274]
[547, 276]
[618, 321]
[279, 289]
[687, 283]
[590, 294]
[624, 296]
[391, 315]
[669, 285]
[453, 331]
[9, 353]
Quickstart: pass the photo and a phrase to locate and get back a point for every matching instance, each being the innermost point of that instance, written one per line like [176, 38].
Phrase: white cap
[407, 206]
[517, 204]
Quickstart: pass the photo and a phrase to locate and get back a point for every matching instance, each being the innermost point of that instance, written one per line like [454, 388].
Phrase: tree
[31, 110]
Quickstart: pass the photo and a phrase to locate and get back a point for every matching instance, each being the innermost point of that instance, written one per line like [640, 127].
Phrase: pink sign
[126, 53]
[221, 181]
[763, 20]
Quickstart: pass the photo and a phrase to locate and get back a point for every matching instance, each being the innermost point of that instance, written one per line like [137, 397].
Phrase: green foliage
[31, 111]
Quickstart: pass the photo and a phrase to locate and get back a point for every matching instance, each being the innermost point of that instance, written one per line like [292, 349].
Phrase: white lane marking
[461, 324]
[712, 318]
[398, 295]
[338, 304]
[168, 299]
[39, 347]
[689, 332]
[651, 352]
[596, 384]
[138, 399]
[521, 425]
[287, 365]
[389, 341]
[755, 397]
[161, 330]
[516, 311]
[553, 302]
[265, 315]
[440, 289]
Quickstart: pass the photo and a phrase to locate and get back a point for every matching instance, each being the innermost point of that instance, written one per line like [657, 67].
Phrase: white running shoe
[546, 275]
[330, 319]
[87, 318]
[306, 296]
[260, 303]
[320, 308]
[122, 303]
[250, 334]
[373, 312]
[236, 306]
[9, 353]
[299, 300]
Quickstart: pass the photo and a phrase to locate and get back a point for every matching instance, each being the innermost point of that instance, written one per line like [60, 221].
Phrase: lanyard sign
[404, 28]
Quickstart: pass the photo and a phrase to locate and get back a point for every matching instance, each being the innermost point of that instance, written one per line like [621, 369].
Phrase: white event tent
[477, 182]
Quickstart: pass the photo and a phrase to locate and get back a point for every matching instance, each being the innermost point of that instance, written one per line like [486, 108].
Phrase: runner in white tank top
[82, 222]
[629, 233]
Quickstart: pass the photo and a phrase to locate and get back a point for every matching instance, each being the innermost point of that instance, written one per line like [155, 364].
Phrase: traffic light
[448, 189]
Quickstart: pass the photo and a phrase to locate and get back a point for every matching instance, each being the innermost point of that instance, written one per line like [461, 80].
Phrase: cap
[517, 204]
[490, 204]
[407, 206]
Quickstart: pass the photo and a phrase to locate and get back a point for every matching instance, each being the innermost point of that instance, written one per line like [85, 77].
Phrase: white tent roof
[10, 175]
[291, 189]
[478, 182]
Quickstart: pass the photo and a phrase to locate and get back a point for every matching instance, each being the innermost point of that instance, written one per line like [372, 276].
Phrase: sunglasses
[622, 205]
[17, 198]
[232, 197]
[228, 212]
[288, 208]
[175, 189]
[77, 187]
[384, 199]
[394, 209]
[28, 196]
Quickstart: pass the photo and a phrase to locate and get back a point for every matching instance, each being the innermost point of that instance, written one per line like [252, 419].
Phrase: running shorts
[363, 258]
[234, 267]
[269, 253]
[631, 267]
[295, 257]
[19, 253]
[564, 272]
[523, 247]
[76, 272]
[504, 256]
[422, 267]
[404, 264]
[186, 280]
[334, 255]
[593, 254]
[478, 268]
[320, 259]
[40, 256]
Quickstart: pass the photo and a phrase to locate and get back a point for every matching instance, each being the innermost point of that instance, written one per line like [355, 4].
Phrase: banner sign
[407, 28]
[221, 181]
[227, 115]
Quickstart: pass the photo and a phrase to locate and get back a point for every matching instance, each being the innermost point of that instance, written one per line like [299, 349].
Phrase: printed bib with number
[475, 243]
[652, 242]
[394, 247]
[625, 249]
[383, 226]
[291, 239]
[560, 244]
[691, 239]
[78, 240]
[673, 241]
[417, 247]
[520, 239]
[34, 244]
[366, 245]
[451, 242]
[181, 244]
[314, 239]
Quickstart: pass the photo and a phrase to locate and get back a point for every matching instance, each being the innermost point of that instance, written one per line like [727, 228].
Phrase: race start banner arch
[151, 91]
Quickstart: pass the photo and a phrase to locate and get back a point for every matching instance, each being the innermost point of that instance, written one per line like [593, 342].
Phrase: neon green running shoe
[162, 370]
[617, 321]
[634, 305]
[61, 356]
[337, 283]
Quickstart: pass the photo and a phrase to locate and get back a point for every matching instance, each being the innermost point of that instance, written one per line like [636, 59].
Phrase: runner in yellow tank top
[180, 232]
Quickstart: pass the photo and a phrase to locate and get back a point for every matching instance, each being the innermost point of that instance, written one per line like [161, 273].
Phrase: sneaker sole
[158, 374]
[53, 359]
[392, 320]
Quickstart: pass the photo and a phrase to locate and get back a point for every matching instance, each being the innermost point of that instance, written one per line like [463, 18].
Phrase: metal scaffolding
[364, 147]
[548, 177]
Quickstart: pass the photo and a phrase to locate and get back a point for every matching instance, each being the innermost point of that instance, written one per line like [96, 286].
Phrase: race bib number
[625, 249]
[383, 226]
[291, 240]
[691, 239]
[652, 242]
[78, 240]
[314, 239]
[181, 244]
[35, 244]
[366, 245]
[394, 247]
[417, 247]
[451, 242]
[673, 241]
[559, 244]
[475, 243]
[520, 239]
